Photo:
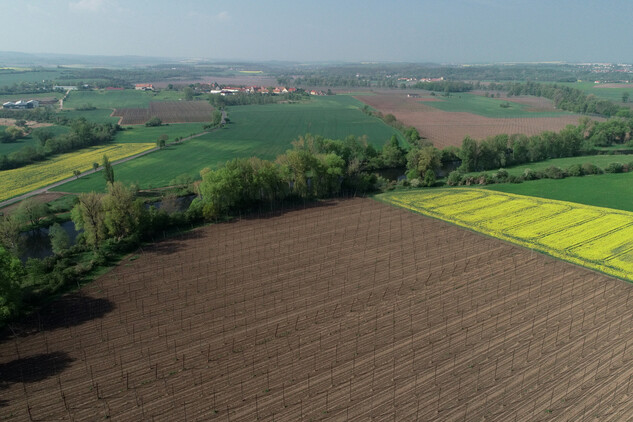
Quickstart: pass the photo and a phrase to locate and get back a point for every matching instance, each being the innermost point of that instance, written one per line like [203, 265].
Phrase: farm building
[64, 88]
[144, 87]
[21, 105]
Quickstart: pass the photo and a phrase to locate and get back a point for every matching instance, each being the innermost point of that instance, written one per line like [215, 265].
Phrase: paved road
[85, 173]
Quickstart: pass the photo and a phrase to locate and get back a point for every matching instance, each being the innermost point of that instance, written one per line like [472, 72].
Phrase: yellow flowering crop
[598, 238]
[18, 181]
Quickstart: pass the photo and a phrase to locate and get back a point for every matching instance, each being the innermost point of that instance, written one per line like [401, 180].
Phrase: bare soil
[30, 123]
[352, 310]
[450, 128]
[41, 198]
[167, 111]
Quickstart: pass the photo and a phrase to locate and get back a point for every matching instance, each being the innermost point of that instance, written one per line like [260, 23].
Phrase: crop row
[598, 238]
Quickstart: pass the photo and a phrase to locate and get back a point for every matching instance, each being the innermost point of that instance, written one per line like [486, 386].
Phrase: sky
[440, 31]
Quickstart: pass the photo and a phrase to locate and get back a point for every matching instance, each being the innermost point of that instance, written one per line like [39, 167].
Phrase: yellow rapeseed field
[25, 179]
[598, 238]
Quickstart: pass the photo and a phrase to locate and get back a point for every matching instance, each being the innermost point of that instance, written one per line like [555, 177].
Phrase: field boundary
[606, 263]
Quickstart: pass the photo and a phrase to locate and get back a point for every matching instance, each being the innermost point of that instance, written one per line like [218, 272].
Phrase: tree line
[82, 134]
[568, 98]
[243, 98]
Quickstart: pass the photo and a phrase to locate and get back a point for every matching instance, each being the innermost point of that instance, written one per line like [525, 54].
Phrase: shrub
[529, 174]
[454, 178]
[154, 121]
[553, 172]
[415, 183]
[501, 176]
[614, 168]
[575, 170]
[589, 168]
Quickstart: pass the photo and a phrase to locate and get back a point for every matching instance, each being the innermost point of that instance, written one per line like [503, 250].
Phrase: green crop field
[264, 131]
[487, 107]
[6, 149]
[613, 94]
[605, 190]
[142, 133]
[10, 77]
[599, 160]
[16, 97]
[129, 98]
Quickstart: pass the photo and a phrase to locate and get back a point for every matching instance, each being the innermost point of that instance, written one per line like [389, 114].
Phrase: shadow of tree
[69, 310]
[34, 368]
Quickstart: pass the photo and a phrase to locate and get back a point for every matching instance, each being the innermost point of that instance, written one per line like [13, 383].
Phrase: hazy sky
[465, 31]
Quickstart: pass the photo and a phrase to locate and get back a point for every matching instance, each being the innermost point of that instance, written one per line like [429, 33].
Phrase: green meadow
[605, 190]
[486, 106]
[110, 99]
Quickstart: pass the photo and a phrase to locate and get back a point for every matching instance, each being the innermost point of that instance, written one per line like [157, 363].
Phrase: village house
[144, 87]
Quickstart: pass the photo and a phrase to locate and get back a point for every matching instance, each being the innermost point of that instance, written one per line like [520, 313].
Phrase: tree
[108, 171]
[625, 97]
[154, 121]
[10, 233]
[13, 133]
[89, 215]
[189, 93]
[11, 272]
[30, 211]
[420, 160]
[429, 178]
[392, 154]
[216, 118]
[121, 213]
[469, 153]
[76, 173]
[42, 136]
[60, 241]
[95, 166]
[161, 142]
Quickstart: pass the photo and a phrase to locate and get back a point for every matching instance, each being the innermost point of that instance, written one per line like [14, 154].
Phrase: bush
[415, 183]
[575, 170]
[529, 174]
[413, 174]
[589, 168]
[553, 172]
[454, 178]
[501, 176]
[614, 168]
[154, 121]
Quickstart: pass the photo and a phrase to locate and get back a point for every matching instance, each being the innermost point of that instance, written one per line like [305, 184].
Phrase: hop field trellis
[15, 182]
[346, 311]
[597, 238]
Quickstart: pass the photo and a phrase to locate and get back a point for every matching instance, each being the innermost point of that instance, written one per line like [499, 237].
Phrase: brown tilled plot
[167, 111]
[352, 310]
[445, 128]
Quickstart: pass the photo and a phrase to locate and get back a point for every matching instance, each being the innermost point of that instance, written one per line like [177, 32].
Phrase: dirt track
[353, 310]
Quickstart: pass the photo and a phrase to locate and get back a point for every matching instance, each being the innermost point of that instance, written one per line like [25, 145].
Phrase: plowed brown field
[445, 128]
[353, 310]
[167, 111]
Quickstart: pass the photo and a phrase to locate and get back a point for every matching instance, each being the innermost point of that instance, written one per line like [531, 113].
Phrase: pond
[37, 244]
